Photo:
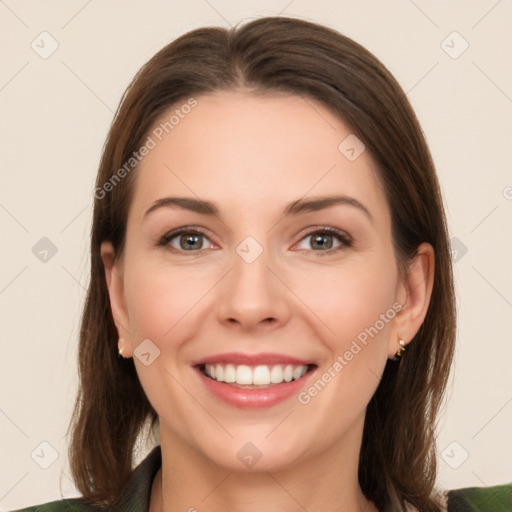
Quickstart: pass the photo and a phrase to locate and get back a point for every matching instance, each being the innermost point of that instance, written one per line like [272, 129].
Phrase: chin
[254, 454]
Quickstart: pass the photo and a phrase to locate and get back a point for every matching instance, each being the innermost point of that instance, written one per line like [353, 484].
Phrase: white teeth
[219, 373]
[243, 375]
[276, 374]
[297, 373]
[257, 375]
[261, 375]
[288, 373]
[229, 373]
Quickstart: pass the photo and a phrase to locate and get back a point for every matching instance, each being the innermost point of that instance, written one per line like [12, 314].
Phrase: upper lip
[263, 358]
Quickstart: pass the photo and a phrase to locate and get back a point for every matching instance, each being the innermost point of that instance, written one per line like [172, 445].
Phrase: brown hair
[398, 453]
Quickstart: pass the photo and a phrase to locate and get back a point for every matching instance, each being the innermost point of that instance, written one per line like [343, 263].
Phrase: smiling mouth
[255, 377]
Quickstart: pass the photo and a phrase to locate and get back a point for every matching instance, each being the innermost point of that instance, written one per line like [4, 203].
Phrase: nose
[252, 296]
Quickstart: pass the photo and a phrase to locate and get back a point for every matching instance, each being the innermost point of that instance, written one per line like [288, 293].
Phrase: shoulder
[65, 505]
[481, 499]
[134, 496]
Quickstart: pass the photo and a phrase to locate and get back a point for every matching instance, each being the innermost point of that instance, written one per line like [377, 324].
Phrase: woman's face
[265, 276]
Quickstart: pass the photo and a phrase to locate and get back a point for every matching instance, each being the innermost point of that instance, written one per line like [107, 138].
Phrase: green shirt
[135, 495]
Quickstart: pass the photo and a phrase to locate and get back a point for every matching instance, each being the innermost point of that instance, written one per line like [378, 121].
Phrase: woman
[271, 286]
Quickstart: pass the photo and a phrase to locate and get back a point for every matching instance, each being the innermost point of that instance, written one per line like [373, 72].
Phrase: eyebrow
[294, 208]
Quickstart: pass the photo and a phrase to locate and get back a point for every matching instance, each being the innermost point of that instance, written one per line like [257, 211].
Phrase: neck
[325, 482]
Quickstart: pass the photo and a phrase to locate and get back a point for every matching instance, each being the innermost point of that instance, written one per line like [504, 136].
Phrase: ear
[114, 278]
[414, 293]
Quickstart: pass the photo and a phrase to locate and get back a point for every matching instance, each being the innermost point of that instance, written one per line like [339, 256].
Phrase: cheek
[354, 305]
[163, 302]
[358, 309]
[351, 298]
[162, 299]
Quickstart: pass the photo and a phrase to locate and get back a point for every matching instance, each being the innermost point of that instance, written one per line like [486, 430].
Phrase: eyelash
[344, 238]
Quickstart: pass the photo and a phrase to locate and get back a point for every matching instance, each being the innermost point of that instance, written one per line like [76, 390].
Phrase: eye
[326, 241]
[186, 240]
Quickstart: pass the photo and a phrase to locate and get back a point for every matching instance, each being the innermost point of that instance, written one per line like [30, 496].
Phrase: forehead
[242, 149]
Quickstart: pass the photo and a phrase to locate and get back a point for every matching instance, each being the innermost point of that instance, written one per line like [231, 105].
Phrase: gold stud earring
[401, 349]
[120, 350]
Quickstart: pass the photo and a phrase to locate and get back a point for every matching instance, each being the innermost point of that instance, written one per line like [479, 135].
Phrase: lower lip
[245, 398]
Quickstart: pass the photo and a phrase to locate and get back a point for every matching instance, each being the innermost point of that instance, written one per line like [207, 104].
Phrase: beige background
[55, 114]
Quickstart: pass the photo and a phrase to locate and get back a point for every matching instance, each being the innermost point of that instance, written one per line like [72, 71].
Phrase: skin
[253, 155]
